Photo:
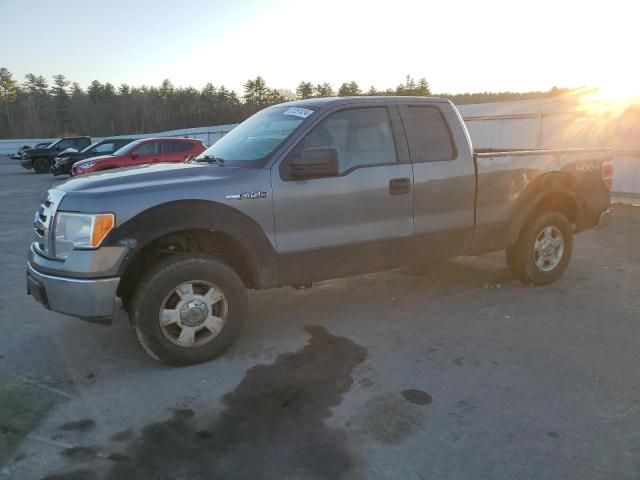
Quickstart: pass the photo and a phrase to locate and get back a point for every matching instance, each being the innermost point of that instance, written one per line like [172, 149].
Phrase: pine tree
[9, 94]
[62, 102]
[304, 90]
[324, 90]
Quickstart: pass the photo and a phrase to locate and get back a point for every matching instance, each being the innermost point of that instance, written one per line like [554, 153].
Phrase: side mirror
[316, 162]
[134, 155]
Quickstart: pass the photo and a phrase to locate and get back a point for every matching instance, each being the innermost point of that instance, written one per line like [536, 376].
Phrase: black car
[41, 159]
[64, 161]
[24, 148]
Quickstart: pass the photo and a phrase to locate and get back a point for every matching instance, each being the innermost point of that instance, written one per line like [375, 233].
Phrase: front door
[358, 221]
[148, 152]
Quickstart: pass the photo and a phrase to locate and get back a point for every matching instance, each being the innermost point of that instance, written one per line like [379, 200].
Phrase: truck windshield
[258, 136]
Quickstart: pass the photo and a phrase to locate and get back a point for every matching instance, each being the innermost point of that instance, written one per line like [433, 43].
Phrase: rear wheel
[188, 309]
[41, 165]
[543, 250]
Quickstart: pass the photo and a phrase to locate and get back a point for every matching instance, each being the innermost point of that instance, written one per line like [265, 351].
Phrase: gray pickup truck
[302, 192]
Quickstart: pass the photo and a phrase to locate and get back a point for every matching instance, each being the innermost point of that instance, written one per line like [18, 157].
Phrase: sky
[458, 46]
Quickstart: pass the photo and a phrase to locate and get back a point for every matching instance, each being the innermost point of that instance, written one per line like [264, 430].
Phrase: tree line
[38, 107]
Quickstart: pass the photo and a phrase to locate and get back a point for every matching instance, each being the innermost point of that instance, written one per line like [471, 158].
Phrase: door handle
[399, 186]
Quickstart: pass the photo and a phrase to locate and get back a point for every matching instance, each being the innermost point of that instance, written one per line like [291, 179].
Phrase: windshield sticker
[298, 112]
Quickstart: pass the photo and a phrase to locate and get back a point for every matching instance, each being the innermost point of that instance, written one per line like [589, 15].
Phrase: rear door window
[185, 146]
[177, 146]
[432, 133]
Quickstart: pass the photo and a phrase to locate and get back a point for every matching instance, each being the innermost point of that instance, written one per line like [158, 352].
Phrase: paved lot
[460, 373]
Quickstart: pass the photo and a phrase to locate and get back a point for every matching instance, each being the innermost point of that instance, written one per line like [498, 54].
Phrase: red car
[143, 152]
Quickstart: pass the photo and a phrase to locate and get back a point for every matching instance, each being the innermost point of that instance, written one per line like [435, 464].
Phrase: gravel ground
[457, 373]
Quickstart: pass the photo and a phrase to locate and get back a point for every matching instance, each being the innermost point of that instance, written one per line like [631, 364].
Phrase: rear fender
[544, 186]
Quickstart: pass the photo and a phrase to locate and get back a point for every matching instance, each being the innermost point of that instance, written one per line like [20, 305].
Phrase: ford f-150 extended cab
[302, 192]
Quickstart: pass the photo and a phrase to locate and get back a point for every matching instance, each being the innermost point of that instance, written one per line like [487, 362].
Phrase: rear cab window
[428, 133]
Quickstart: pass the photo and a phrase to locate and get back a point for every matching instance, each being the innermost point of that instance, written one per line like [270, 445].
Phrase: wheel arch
[551, 191]
[199, 226]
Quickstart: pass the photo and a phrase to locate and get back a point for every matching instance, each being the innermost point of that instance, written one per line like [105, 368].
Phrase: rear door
[176, 150]
[444, 179]
[358, 221]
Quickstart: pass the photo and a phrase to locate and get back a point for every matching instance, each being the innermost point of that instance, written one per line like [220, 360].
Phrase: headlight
[80, 230]
[84, 166]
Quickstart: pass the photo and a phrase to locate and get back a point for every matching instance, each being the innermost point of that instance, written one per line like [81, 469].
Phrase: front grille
[43, 221]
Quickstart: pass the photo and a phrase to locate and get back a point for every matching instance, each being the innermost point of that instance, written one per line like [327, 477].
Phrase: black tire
[164, 278]
[41, 165]
[521, 257]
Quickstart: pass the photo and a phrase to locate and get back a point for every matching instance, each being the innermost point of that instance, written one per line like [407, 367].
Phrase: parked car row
[63, 163]
[40, 159]
[142, 152]
[78, 155]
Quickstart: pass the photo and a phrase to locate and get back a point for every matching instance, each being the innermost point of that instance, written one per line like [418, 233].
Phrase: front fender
[172, 217]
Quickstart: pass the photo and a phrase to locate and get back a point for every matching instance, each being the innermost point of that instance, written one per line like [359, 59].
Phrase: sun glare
[609, 100]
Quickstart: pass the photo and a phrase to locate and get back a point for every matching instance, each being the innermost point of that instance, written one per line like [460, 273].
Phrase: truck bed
[509, 180]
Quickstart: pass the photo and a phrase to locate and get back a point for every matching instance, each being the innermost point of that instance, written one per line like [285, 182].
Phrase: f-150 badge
[246, 195]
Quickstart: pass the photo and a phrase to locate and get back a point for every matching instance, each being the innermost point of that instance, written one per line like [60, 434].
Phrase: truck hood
[34, 152]
[128, 192]
[147, 177]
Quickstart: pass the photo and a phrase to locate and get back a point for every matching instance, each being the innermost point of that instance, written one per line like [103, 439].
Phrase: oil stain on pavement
[272, 426]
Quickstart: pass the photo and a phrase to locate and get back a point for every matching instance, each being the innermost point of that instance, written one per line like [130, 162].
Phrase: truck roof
[326, 102]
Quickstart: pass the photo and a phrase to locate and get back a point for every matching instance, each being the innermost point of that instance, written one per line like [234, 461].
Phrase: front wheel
[543, 250]
[41, 165]
[188, 309]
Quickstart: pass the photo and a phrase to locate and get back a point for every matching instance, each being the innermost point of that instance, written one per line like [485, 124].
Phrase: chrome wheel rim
[548, 248]
[193, 314]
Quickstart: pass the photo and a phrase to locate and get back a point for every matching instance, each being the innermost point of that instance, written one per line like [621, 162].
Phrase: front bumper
[63, 166]
[26, 163]
[90, 299]
[60, 169]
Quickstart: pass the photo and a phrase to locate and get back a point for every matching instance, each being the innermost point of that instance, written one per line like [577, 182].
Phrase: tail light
[607, 173]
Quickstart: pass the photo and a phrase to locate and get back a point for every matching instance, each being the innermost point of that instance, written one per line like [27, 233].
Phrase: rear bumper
[90, 299]
[604, 220]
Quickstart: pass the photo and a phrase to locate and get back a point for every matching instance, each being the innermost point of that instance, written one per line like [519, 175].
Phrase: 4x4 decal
[246, 195]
